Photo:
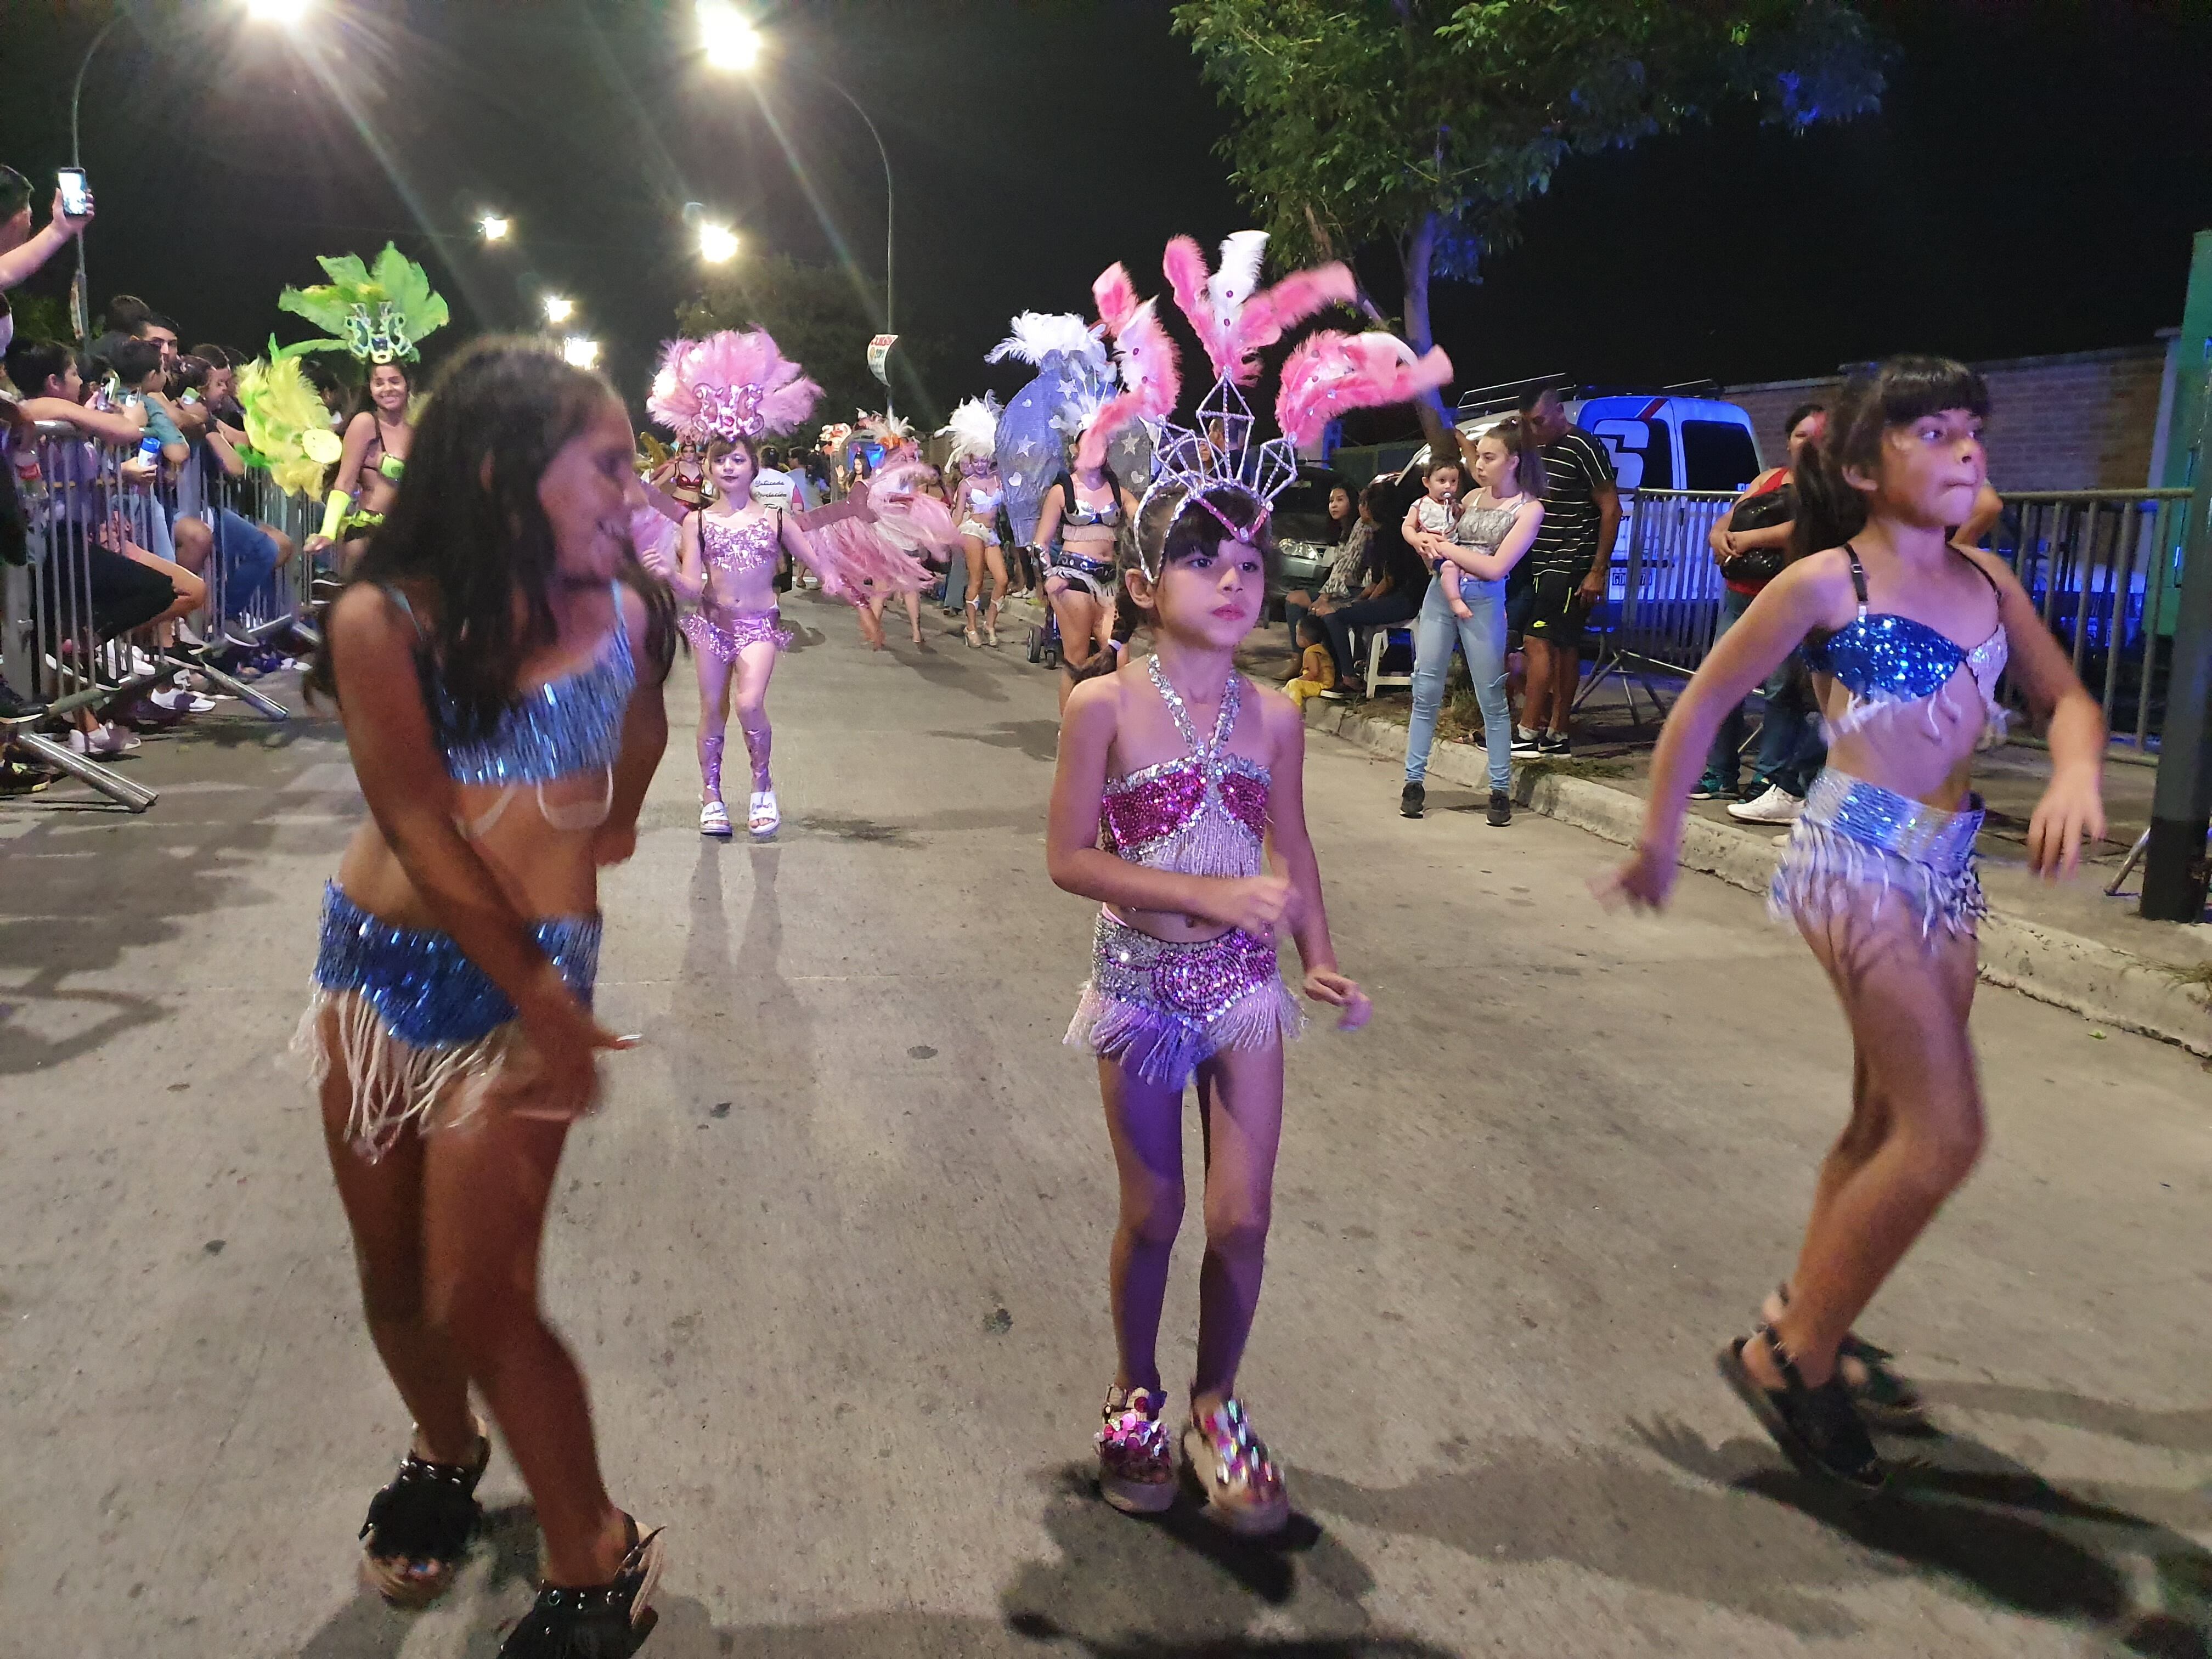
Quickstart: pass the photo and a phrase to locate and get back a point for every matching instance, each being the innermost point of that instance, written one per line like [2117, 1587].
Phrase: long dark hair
[365, 405]
[505, 408]
[1893, 393]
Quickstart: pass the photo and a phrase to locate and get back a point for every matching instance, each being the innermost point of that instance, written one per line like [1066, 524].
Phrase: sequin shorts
[1857, 842]
[723, 639]
[1093, 576]
[415, 1016]
[1160, 1007]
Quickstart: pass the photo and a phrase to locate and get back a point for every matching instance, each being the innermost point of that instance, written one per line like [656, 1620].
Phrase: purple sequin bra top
[732, 547]
[1202, 814]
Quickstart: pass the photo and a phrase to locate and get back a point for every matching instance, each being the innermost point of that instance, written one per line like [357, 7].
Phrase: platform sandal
[593, 1621]
[1818, 1429]
[419, 1528]
[1136, 1453]
[1244, 1488]
[1886, 1398]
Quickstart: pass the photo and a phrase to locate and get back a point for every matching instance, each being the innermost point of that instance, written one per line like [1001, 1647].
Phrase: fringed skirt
[1091, 576]
[1159, 1008]
[1859, 845]
[418, 1026]
[723, 634]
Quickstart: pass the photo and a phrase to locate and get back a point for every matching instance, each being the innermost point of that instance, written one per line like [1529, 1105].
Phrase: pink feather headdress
[1152, 372]
[1327, 372]
[729, 385]
[1235, 319]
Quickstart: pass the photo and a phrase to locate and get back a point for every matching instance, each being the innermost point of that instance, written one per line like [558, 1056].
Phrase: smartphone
[76, 195]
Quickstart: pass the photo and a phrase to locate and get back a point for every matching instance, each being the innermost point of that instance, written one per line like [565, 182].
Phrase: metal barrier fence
[90, 508]
[2103, 566]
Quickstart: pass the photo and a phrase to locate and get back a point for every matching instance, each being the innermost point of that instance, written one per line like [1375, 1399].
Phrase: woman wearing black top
[1391, 585]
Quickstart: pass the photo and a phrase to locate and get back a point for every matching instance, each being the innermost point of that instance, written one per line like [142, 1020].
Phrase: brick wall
[2085, 420]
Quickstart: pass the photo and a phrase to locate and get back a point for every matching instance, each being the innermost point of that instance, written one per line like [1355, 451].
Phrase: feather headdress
[973, 426]
[287, 424]
[729, 385]
[1235, 319]
[379, 313]
[1152, 373]
[1037, 335]
[1327, 372]
[891, 431]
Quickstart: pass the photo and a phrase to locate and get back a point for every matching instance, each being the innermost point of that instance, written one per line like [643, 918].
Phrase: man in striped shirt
[1565, 572]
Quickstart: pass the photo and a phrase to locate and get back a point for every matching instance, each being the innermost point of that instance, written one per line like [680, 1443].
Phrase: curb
[2111, 986]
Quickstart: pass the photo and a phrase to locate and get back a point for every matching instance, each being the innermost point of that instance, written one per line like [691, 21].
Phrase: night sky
[2031, 185]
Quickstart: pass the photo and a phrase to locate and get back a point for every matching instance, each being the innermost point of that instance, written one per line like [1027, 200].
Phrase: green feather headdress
[286, 423]
[378, 313]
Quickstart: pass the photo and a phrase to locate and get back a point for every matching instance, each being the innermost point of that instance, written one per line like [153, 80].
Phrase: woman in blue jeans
[1496, 528]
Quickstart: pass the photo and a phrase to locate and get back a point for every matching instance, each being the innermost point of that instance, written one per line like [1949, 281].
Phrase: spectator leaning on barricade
[21, 254]
[1564, 574]
[245, 554]
[1751, 544]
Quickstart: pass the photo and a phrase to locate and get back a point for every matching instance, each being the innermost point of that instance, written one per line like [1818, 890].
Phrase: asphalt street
[834, 1253]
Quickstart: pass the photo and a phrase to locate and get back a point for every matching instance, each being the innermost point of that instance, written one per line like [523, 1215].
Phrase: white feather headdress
[974, 429]
[1037, 334]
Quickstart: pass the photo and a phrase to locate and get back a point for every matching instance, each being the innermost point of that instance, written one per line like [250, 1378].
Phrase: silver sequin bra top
[1202, 814]
[1486, 527]
[567, 725]
[732, 548]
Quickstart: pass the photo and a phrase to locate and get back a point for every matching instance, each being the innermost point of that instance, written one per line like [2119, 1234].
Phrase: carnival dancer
[1187, 772]
[379, 315]
[903, 517]
[973, 429]
[497, 658]
[1879, 870]
[725, 392]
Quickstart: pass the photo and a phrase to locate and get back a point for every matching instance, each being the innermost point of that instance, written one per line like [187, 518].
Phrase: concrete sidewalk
[2070, 945]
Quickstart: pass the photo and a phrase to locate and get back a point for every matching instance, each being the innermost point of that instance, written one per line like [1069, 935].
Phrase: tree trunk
[1416, 252]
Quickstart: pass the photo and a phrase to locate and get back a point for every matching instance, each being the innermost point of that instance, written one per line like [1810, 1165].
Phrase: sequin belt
[1161, 1007]
[426, 992]
[1857, 840]
[727, 632]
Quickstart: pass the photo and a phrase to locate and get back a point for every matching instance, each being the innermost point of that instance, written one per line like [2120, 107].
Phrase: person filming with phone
[21, 254]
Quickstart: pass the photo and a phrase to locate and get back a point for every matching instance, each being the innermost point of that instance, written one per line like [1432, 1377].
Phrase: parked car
[1301, 524]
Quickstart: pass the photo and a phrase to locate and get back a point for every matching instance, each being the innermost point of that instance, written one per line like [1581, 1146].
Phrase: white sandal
[761, 817]
[714, 820]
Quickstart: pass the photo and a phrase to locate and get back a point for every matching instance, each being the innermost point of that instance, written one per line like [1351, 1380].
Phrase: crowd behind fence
[2103, 566]
[87, 504]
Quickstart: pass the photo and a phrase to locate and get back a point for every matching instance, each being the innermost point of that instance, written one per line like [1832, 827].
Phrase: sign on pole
[879, 351]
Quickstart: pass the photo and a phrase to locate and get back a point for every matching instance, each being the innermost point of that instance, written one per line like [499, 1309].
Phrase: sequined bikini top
[1485, 526]
[1202, 814]
[1109, 514]
[568, 725]
[739, 548]
[984, 500]
[1888, 662]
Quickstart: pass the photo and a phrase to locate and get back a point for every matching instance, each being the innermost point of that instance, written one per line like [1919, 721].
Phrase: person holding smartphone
[22, 254]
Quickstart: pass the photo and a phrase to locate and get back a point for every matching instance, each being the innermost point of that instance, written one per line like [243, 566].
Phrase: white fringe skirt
[1858, 844]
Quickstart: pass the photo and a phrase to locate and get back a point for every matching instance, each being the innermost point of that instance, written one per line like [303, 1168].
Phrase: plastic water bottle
[149, 450]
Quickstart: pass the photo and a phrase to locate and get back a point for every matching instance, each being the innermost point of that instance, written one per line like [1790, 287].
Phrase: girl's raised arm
[645, 735]
[2072, 809]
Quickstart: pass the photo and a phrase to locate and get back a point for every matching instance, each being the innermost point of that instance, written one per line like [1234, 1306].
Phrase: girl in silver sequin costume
[1879, 873]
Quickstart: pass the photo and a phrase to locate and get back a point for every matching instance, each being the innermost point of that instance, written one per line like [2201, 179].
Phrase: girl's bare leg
[1915, 1127]
[994, 558]
[914, 614]
[869, 612]
[1240, 1101]
[383, 1205]
[1144, 1120]
[485, 1187]
[713, 722]
[1077, 612]
[756, 666]
[972, 549]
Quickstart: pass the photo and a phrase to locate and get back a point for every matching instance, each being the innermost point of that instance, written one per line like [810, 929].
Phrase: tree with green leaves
[1428, 124]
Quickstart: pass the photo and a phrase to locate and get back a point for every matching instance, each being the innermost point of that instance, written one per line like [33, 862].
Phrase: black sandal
[1886, 1398]
[419, 1528]
[593, 1621]
[1817, 1429]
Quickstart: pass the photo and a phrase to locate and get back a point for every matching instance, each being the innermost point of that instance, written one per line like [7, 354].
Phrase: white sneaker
[177, 700]
[106, 740]
[1777, 806]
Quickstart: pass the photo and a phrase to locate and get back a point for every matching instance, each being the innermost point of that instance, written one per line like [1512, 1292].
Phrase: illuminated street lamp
[718, 244]
[727, 35]
[581, 352]
[286, 12]
[495, 227]
[557, 309]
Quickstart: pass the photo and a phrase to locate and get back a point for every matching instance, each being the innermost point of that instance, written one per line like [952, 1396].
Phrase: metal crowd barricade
[2104, 568]
[83, 507]
[1662, 603]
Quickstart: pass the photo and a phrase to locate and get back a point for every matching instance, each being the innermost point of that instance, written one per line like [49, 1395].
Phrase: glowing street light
[557, 309]
[286, 13]
[581, 352]
[728, 36]
[495, 227]
[718, 244]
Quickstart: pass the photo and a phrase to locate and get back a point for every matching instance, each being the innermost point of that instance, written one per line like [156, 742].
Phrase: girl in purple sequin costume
[1878, 871]
[1179, 806]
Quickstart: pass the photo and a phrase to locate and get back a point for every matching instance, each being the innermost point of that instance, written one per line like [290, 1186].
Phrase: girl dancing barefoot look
[1176, 777]
[1879, 872]
[497, 658]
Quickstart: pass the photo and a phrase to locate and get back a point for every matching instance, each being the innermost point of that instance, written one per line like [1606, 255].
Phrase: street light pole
[889, 200]
[83, 318]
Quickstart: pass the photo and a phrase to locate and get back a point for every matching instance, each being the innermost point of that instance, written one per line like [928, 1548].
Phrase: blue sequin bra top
[568, 725]
[1889, 663]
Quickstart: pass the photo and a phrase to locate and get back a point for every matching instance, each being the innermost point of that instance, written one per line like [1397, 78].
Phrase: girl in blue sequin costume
[497, 660]
[1910, 632]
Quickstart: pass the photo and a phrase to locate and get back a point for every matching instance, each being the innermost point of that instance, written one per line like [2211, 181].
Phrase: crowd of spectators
[125, 454]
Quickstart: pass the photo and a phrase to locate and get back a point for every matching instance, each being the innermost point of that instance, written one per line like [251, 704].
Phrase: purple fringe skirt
[733, 631]
[1160, 1008]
